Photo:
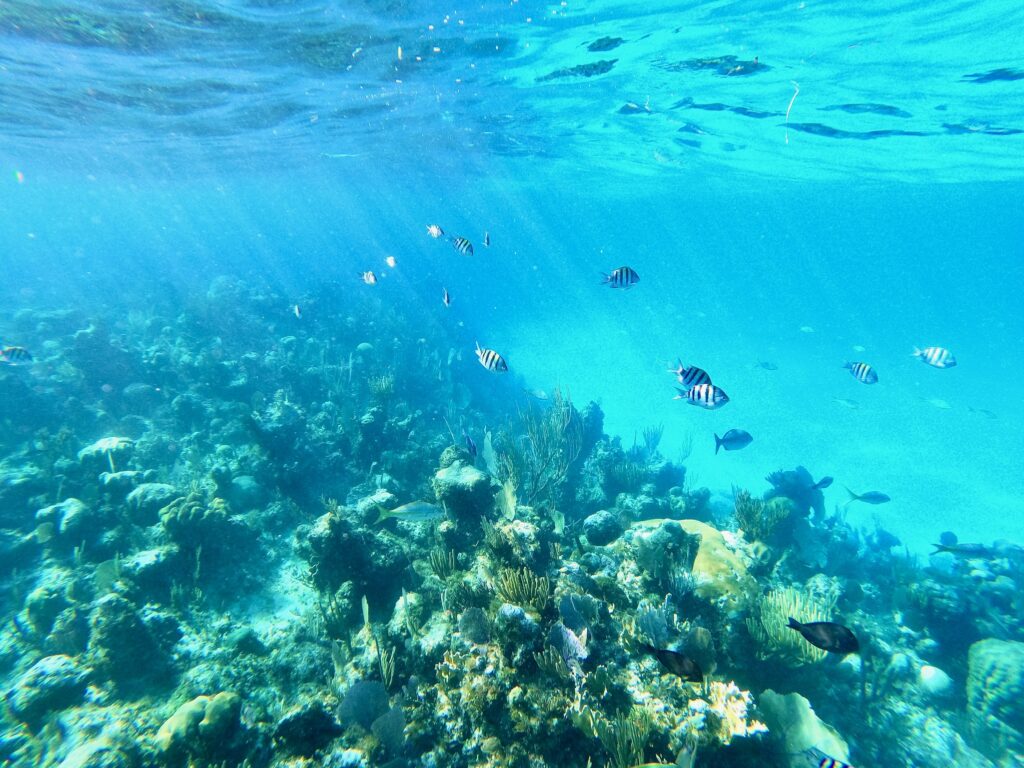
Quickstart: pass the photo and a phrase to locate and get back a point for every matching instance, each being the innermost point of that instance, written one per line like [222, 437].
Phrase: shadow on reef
[231, 538]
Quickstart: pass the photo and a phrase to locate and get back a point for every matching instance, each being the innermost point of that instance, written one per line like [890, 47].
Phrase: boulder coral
[791, 718]
[465, 491]
[995, 690]
[52, 683]
[202, 727]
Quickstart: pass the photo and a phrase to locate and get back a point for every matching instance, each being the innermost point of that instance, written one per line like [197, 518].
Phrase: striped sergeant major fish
[15, 355]
[690, 377]
[705, 395]
[815, 758]
[862, 372]
[936, 357]
[623, 277]
[462, 245]
[491, 360]
[435, 231]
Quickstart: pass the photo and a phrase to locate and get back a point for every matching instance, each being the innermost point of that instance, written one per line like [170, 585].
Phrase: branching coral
[756, 518]
[625, 476]
[624, 737]
[442, 563]
[769, 628]
[382, 387]
[550, 662]
[523, 587]
[652, 439]
[536, 455]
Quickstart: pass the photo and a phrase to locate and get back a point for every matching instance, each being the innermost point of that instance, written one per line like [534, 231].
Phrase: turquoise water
[797, 185]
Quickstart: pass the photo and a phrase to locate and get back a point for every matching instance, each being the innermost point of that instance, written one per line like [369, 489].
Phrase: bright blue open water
[150, 147]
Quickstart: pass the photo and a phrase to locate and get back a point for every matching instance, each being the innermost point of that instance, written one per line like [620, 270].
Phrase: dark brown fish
[827, 635]
[676, 663]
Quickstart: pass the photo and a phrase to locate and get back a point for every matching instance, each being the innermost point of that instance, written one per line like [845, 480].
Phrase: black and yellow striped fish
[462, 245]
[15, 355]
[491, 360]
[623, 277]
[936, 357]
[815, 758]
[862, 372]
[690, 377]
[706, 396]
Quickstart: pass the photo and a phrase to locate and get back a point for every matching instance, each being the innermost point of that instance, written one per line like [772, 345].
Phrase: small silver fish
[487, 239]
[435, 231]
[414, 512]
[297, 311]
[936, 357]
[446, 297]
[871, 497]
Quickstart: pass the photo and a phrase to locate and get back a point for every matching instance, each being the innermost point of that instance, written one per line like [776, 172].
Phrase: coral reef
[196, 569]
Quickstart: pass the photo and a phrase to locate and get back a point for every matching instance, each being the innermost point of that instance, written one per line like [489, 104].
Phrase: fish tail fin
[382, 514]
[605, 278]
[681, 395]
[793, 623]
[916, 353]
[940, 548]
[718, 442]
[647, 648]
[853, 496]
